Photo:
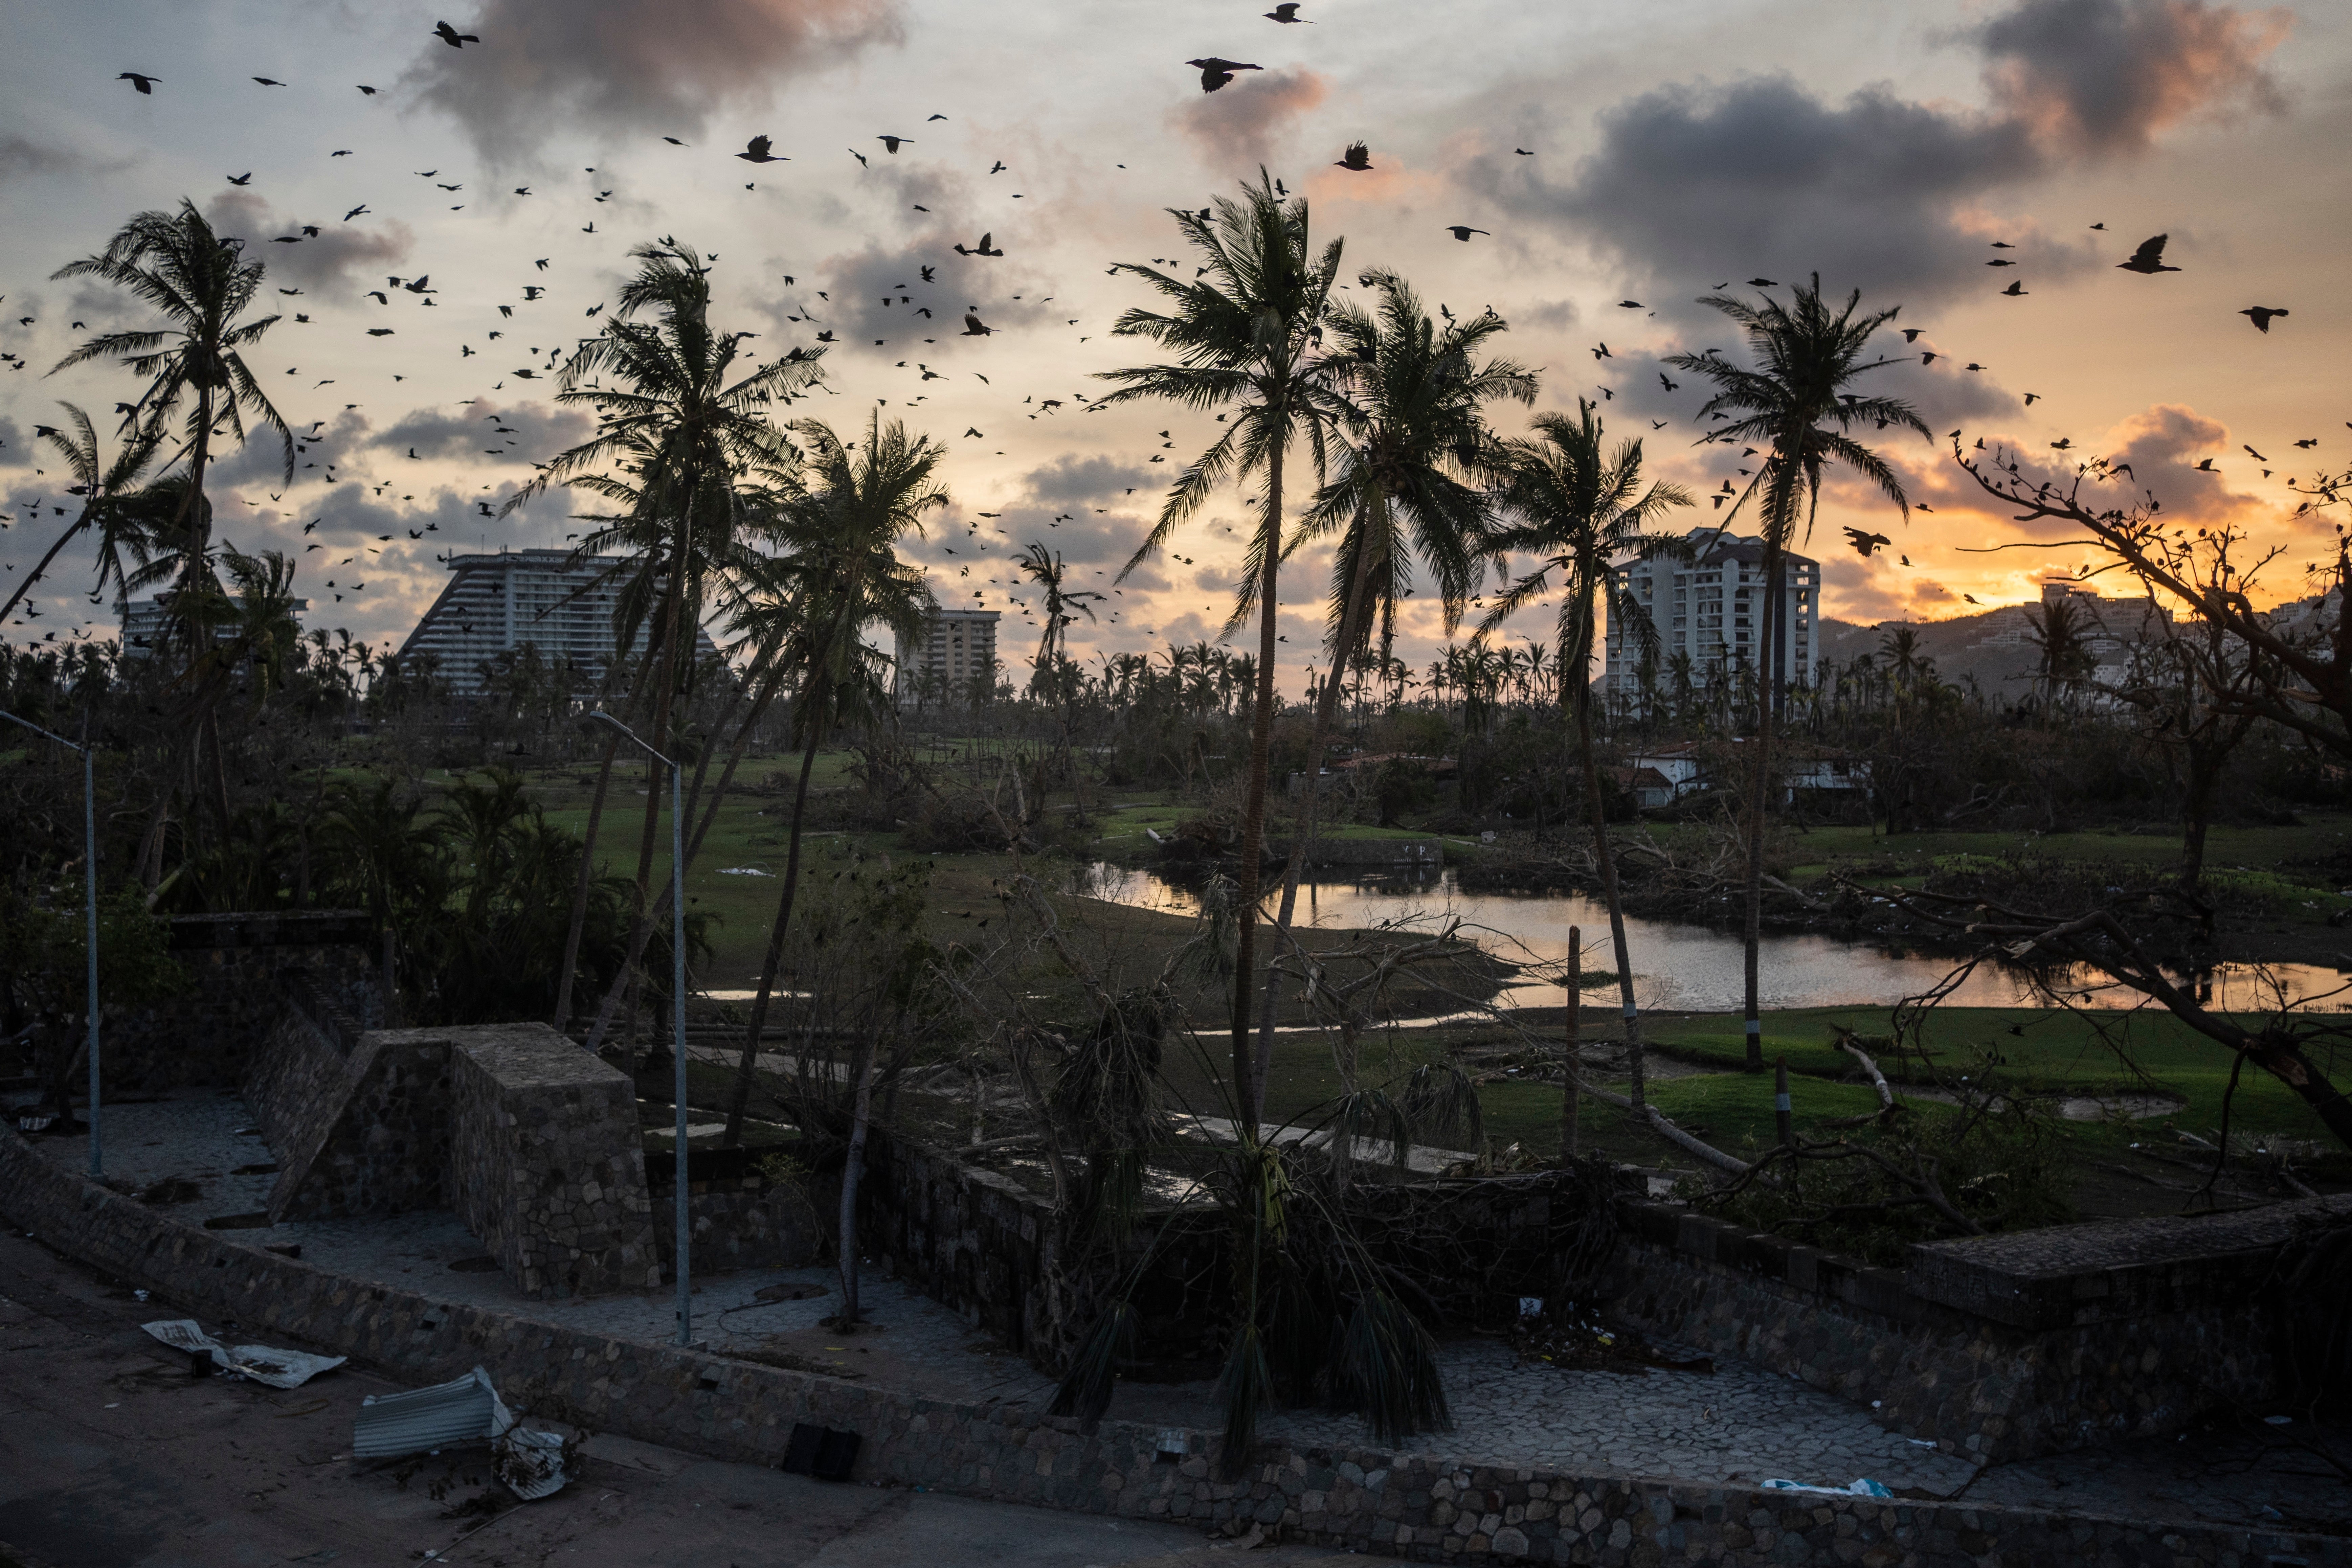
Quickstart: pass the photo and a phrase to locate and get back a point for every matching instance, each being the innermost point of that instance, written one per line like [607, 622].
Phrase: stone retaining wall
[2118, 1335]
[207, 1033]
[1426, 1509]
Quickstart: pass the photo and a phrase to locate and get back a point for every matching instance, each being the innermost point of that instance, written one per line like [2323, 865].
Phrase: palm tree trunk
[1760, 779]
[1249, 1076]
[741, 1098]
[1326, 707]
[562, 1016]
[1610, 895]
[861, 1116]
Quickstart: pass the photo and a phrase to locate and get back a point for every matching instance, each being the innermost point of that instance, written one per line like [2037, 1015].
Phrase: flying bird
[246, 179]
[985, 246]
[2148, 257]
[365, 88]
[1359, 158]
[1761, 283]
[890, 143]
[1911, 334]
[972, 327]
[2016, 290]
[1214, 72]
[2261, 316]
[673, 140]
[355, 212]
[451, 37]
[1286, 11]
[145, 84]
[268, 81]
[1865, 543]
[1463, 232]
[756, 151]
[1630, 305]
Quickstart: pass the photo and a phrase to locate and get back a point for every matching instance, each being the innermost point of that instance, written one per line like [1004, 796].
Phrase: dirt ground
[111, 1456]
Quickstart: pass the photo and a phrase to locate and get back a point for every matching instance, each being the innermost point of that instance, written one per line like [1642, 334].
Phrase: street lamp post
[90, 885]
[678, 998]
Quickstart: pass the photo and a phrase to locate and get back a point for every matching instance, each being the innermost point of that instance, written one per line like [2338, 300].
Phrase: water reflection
[1695, 967]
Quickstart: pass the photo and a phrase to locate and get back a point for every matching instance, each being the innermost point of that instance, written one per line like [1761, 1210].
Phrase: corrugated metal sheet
[443, 1416]
[278, 1368]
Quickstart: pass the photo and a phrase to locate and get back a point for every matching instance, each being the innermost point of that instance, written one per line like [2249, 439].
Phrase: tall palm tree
[105, 489]
[1243, 330]
[200, 283]
[1063, 604]
[839, 573]
[1414, 453]
[676, 436]
[1581, 509]
[1794, 404]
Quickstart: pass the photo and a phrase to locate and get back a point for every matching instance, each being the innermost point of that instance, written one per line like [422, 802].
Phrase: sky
[1612, 151]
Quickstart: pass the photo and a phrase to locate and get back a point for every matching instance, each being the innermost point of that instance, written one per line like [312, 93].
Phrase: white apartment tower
[957, 647]
[1710, 607]
[493, 604]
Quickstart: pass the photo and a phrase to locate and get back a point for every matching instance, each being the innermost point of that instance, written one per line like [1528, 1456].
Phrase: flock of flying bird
[1215, 73]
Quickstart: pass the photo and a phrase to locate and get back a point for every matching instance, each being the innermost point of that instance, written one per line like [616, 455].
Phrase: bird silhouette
[145, 84]
[1214, 72]
[2015, 290]
[1463, 232]
[244, 179]
[270, 81]
[2261, 316]
[985, 248]
[1286, 11]
[890, 143]
[1865, 543]
[1359, 158]
[451, 37]
[2148, 258]
[756, 151]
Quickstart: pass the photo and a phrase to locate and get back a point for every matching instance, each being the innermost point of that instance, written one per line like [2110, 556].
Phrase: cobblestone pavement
[1740, 1422]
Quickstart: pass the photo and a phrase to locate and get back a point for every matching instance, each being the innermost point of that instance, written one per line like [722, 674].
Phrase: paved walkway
[1739, 1423]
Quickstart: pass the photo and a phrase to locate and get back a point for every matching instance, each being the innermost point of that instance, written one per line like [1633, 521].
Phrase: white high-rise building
[957, 648]
[1711, 607]
[531, 598]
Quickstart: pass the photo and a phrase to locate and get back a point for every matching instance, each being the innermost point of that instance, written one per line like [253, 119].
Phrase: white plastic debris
[1862, 1488]
[426, 1420]
[275, 1368]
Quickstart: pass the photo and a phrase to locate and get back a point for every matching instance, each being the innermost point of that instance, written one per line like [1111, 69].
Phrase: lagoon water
[1698, 968]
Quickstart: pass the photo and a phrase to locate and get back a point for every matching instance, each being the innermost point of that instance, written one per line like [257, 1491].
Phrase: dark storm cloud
[484, 431]
[325, 262]
[1071, 477]
[2103, 77]
[21, 158]
[544, 65]
[15, 450]
[1697, 184]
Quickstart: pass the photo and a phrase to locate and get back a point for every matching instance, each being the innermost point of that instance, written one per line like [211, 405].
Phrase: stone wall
[547, 1167]
[1355, 1499]
[740, 1221]
[2103, 1331]
[207, 1033]
[358, 1130]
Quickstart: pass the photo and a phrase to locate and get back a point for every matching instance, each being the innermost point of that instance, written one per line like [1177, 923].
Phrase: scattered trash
[1531, 1306]
[1921, 1442]
[1863, 1488]
[2278, 1420]
[533, 1464]
[743, 871]
[138, 1295]
[1174, 1444]
[29, 1125]
[820, 1452]
[275, 1368]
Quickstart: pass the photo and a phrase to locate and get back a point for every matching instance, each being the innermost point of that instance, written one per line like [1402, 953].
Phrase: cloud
[1235, 128]
[323, 262]
[1007, 293]
[1070, 477]
[22, 159]
[547, 66]
[484, 431]
[1694, 183]
[2104, 77]
[15, 451]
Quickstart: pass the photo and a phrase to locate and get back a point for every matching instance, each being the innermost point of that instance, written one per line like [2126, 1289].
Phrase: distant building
[1711, 608]
[957, 647]
[143, 620]
[497, 604]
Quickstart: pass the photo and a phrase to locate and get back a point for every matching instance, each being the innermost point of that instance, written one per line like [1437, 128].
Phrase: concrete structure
[957, 647]
[542, 598]
[1710, 608]
[143, 625]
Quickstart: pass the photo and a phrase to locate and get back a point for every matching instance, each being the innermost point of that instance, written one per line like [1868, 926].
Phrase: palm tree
[1581, 509]
[105, 489]
[1062, 605]
[1795, 405]
[675, 438]
[1409, 403]
[1243, 331]
[200, 283]
[839, 574]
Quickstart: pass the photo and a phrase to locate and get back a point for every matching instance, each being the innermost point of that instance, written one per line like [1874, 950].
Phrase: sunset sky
[1670, 146]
